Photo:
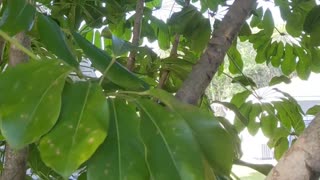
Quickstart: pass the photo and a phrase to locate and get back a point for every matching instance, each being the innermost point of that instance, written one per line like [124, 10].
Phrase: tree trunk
[15, 163]
[200, 77]
[302, 160]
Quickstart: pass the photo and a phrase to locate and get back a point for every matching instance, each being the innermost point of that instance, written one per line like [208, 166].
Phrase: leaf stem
[18, 45]
[107, 69]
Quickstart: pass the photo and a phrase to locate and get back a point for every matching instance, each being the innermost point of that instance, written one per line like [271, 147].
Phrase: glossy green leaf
[26, 116]
[121, 156]
[82, 127]
[314, 110]
[18, 16]
[268, 124]
[216, 144]
[279, 79]
[281, 147]
[289, 63]
[171, 149]
[117, 73]
[54, 39]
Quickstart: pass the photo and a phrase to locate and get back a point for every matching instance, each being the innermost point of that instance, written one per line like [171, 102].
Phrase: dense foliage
[120, 126]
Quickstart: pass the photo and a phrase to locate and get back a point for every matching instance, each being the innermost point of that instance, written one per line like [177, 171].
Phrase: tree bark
[201, 75]
[302, 160]
[15, 163]
[136, 33]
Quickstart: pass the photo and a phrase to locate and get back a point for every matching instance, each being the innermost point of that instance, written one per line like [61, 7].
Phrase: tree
[127, 123]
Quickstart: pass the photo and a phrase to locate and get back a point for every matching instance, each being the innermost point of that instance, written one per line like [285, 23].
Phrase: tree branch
[173, 53]
[302, 160]
[199, 78]
[136, 33]
[15, 164]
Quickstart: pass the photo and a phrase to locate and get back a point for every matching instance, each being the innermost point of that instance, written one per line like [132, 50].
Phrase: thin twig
[136, 34]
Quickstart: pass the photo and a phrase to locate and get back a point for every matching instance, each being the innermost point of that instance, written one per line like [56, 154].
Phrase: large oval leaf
[117, 73]
[81, 128]
[18, 16]
[171, 149]
[215, 143]
[30, 100]
[54, 39]
[121, 156]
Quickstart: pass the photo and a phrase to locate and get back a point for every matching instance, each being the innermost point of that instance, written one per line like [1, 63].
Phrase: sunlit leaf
[26, 116]
[82, 127]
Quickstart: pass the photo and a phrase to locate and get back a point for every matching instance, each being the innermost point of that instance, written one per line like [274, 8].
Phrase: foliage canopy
[120, 126]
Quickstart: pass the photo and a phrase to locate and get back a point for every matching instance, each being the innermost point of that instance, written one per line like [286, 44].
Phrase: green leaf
[289, 63]
[54, 40]
[117, 73]
[239, 98]
[262, 51]
[312, 19]
[119, 46]
[276, 60]
[253, 125]
[26, 116]
[121, 156]
[304, 63]
[171, 149]
[294, 23]
[212, 5]
[18, 16]
[82, 127]
[206, 129]
[245, 30]
[314, 110]
[268, 23]
[281, 147]
[97, 39]
[279, 79]
[244, 80]
[314, 36]
[232, 107]
[268, 124]
[37, 165]
[236, 63]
